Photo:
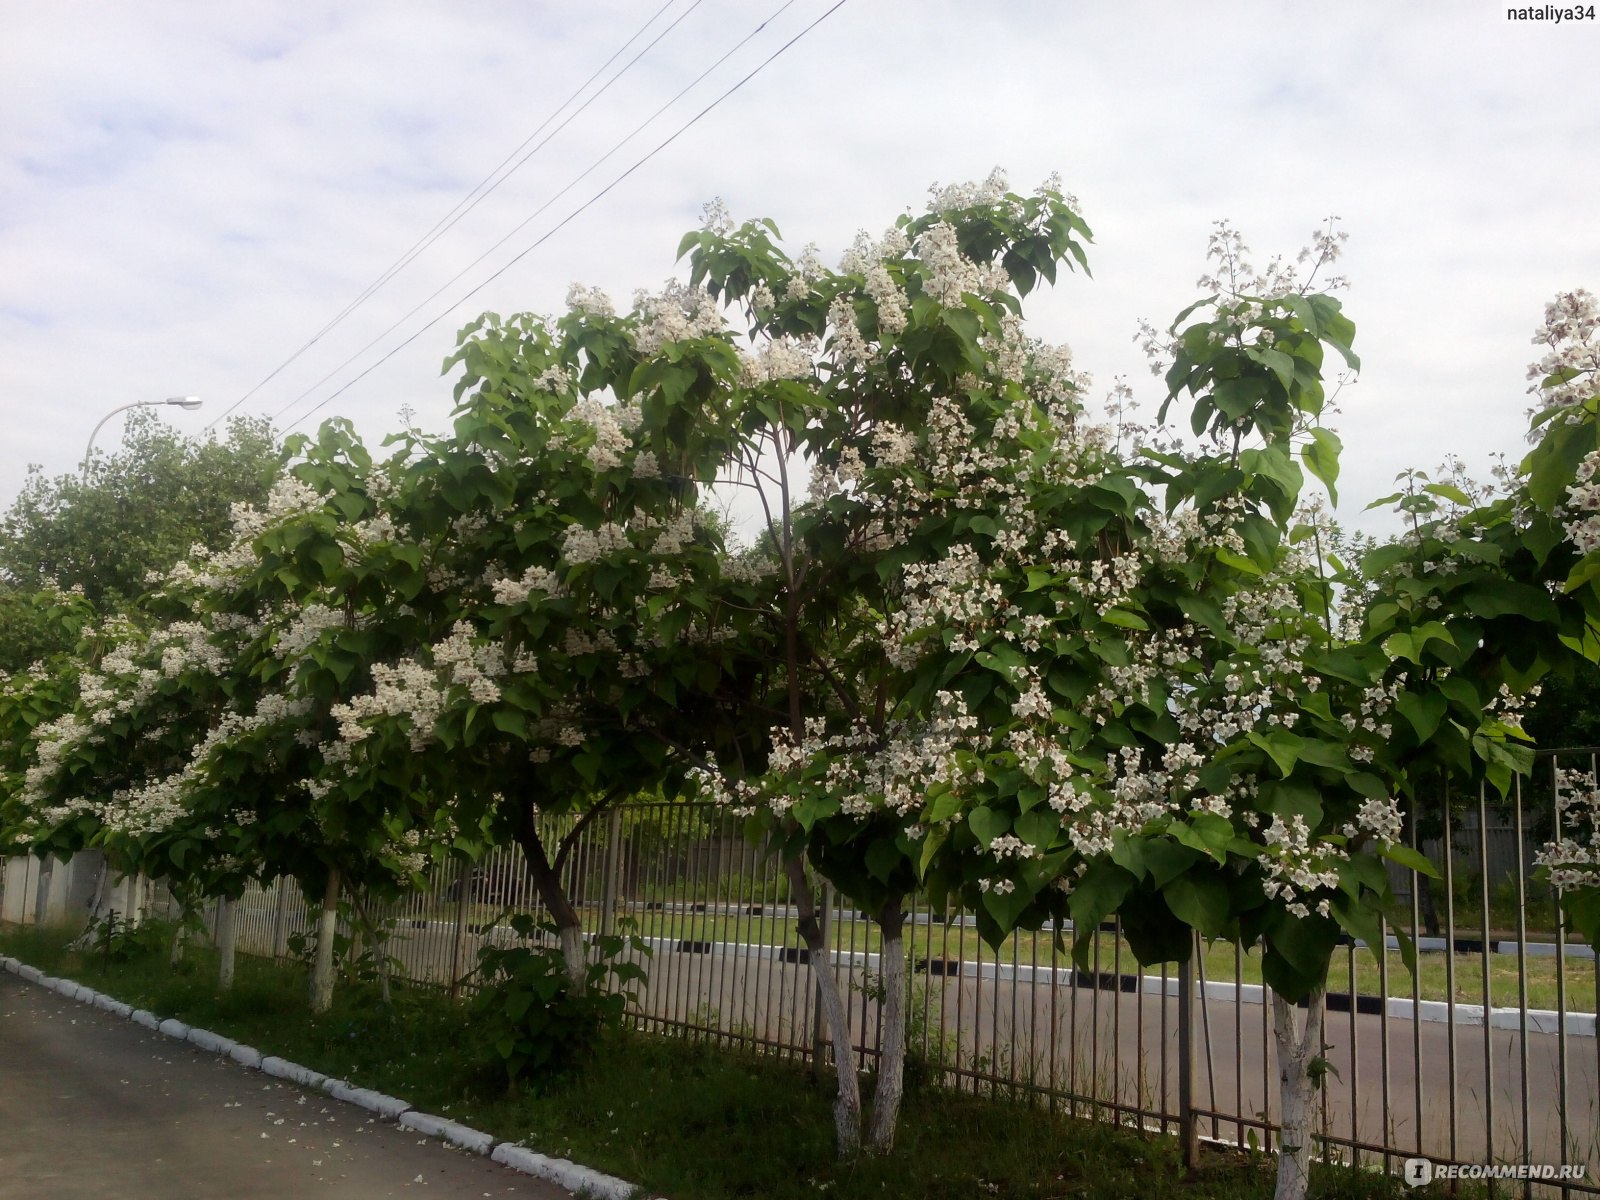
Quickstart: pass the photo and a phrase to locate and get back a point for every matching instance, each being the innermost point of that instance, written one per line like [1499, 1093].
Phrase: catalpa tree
[581, 631]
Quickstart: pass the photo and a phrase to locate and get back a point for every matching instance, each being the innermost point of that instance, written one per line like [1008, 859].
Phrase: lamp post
[188, 402]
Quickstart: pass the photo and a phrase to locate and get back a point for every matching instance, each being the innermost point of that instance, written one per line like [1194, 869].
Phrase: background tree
[138, 511]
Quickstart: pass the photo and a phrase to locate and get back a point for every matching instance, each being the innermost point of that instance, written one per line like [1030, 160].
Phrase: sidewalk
[92, 1106]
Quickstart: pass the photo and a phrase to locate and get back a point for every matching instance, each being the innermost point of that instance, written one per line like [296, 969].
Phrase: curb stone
[566, 1174]
[207, 1040]
[575, 1177]
[453, 1132]
[282, 1068]
[115, 1007]
[388, 1107]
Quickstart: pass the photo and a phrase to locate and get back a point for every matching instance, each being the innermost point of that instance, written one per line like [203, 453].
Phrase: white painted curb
[282, 1068]
[207, 1040]
[173, 1028]
[149, 1020]
[453, 1132]
[388, 1107]
[566, 1174]
[245, 1056]
[115, 1007]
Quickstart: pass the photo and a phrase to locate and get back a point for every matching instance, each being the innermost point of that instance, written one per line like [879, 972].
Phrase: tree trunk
[180, 938]
[847, 1104]
[1299, 1050]
[380, 946]
[892, 1057]
[1426, 908]
[547, 880]
[225, 944]
[327, 923]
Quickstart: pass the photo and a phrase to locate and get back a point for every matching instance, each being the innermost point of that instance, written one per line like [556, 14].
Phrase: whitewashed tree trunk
[322, 970]
[575, 953]
[847, 1103]
[180, 939]
[225, 944]
[892, 1057]
[380, 945]
[1298, 1046]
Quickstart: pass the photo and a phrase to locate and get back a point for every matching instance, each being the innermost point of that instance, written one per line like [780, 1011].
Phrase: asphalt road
[93, 1106]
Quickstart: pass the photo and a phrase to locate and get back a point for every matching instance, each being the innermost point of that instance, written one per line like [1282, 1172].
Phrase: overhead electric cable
[560, 224]
[484, 187]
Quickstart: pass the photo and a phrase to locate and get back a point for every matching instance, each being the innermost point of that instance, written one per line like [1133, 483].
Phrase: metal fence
[1487, 1054]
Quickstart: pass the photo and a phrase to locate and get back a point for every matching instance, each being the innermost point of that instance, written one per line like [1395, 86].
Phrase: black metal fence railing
[1487, 1054]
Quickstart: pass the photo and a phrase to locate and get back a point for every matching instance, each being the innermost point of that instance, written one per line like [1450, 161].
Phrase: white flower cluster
[1583, 506]
[950, 275]
[419, 691]
[864, 772]
[1573, 856]
[675, 314]
[592, 302]
[162, 801]
[534, 579]
[581, 545]
[1295, 867]
[1570, 329]
[993, 190]
[780, 358]
[611, 425]
[304, 628]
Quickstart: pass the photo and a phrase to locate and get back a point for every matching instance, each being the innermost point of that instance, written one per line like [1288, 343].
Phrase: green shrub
[527, 1013]
[115, 939]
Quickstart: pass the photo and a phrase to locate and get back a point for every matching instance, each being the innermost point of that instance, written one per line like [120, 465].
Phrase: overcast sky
[189, 192]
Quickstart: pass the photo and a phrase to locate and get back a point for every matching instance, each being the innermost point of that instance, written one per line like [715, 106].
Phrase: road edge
[575, 1177]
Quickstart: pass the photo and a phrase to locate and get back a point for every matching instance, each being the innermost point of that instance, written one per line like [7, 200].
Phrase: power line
[476, 196]
[560, 224]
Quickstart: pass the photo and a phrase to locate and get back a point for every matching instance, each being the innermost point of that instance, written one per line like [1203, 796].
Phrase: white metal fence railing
[1487, 1054]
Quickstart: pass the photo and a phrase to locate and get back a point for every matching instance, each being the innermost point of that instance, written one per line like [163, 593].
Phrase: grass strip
[688, 1120]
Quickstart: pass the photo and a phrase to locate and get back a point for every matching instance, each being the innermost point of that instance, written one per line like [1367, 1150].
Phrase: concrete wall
[51, 892]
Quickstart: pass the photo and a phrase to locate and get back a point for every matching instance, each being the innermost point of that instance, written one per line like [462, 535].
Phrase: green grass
[685, 1120]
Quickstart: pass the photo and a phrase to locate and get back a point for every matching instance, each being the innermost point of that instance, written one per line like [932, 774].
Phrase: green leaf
[1424, 710]
[988, 824]
[1124, 619]
[1321, 456]
[1097, 895]
[1283, 747]
[1038, 827]
[882, 857]
[1410, 859]
[1200, 900]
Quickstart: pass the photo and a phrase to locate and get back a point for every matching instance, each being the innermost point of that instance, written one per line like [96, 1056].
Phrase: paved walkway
[93, 1106]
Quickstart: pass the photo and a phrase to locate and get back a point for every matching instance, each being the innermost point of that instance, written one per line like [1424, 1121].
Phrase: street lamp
[189, 402]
